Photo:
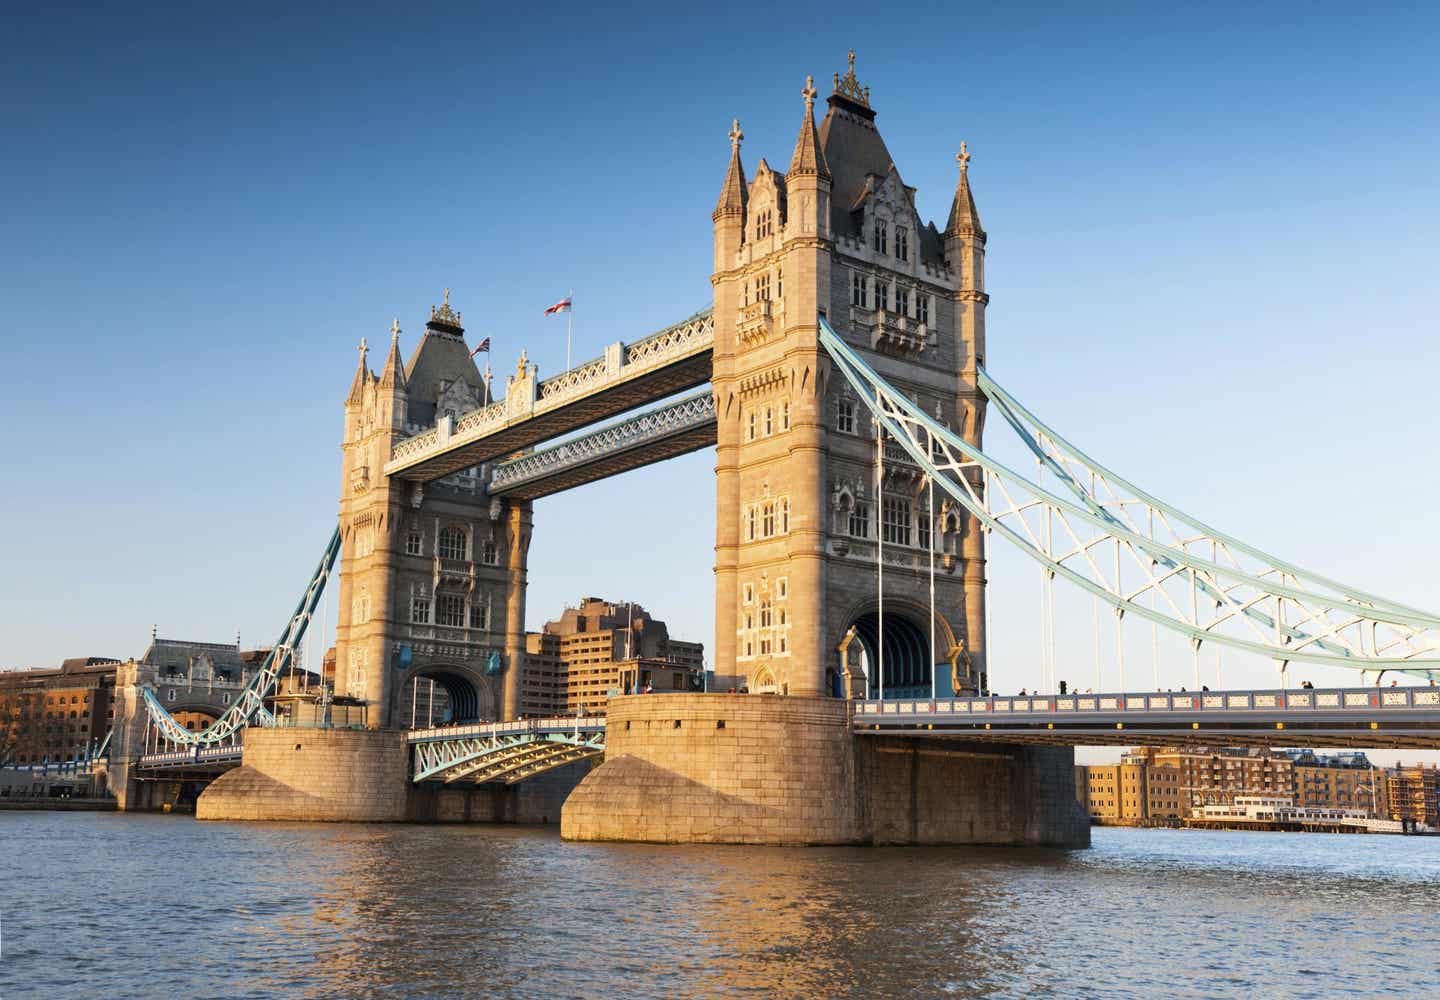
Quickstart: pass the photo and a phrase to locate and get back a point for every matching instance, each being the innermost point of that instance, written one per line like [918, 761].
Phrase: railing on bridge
[194, 756]
[1376, 717]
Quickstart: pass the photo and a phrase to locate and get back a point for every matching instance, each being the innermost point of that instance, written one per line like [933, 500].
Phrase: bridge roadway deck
[533, 411]
[196, 758]
[1362, 718]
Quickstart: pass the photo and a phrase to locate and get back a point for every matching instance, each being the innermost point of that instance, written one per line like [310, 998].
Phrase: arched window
[453, 543]
[765, 611]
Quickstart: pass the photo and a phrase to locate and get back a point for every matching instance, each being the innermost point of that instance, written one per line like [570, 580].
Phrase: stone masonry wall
[751, 769]
[313, 774]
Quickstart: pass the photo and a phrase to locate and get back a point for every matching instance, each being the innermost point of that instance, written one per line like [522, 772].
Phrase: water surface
[113, 905]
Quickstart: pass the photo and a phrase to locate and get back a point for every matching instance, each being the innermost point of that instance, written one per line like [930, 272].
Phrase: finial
[364, 347]
[395, 329]
[735, 135]
[154, 631]
[809, 93]
[852, 62]
[848, 86]
[963, 157]
[447, 297]
[522, 364]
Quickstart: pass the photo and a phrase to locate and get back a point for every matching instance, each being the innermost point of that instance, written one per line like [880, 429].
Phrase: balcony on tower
[753, 326]
[895, 333]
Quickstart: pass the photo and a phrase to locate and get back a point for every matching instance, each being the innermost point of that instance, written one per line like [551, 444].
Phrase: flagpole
[569, 321]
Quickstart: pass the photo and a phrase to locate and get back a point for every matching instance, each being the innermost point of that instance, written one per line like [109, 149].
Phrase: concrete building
[1138, 791]
[600, 648]
[56, 714]
[1411, 794]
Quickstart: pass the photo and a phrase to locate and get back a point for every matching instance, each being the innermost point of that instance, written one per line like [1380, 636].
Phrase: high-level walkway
[535, 410]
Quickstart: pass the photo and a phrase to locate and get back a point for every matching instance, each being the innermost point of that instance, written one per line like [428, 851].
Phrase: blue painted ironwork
[508, 752]
[249, 707]
[1274, 618]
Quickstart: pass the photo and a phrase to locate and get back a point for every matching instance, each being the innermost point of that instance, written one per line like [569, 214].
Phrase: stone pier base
[767, 769]
[341, 775]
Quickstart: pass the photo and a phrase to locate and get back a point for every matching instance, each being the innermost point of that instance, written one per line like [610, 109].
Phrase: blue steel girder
[464, 756]
[540, 757]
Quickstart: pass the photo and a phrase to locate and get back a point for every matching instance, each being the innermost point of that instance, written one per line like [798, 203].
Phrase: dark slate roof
[853, 149]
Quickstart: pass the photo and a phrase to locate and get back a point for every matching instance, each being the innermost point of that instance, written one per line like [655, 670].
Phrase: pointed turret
[362, 378]
[808, 159]
[964, 218]
[733, 193]
[392, 376]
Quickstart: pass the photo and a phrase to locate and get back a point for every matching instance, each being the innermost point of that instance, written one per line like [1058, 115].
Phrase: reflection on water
[146, 906]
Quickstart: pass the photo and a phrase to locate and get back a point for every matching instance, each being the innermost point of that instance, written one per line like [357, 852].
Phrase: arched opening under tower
[443, 696]
[907, 662]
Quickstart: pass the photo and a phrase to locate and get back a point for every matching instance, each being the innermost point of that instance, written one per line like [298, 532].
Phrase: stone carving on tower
[432, 574]
[799, 511]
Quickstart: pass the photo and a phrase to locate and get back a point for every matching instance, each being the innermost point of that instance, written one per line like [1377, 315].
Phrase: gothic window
[420, 609]
[452, 543]
[879, 237]
[784, 515]
[450, 610]
[748, 592]
[751, 519]
[857, 289]
[762, 288]
[766, 611]
[860, 519]
[412, 544]
[895, 520]
[751, 423]
[902, 243]
[785, 415]
[922, 530]
[902, 301]
[765, 224]
[922, 303]
[769, 420]
[767, 519]
[845, 416]
[882, 296]
[490, 552]
[782, 590]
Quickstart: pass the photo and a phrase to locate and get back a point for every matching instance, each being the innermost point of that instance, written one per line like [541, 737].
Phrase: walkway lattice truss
[249, 707]
[495, 754]
[1141, 556]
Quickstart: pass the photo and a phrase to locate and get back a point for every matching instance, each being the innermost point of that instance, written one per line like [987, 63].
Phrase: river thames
[110, 905]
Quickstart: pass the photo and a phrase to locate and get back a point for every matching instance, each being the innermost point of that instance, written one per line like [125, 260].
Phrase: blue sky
[1211, 263]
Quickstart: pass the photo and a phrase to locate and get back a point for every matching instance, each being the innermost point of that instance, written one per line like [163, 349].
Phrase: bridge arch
[908, 664]
[459, 695]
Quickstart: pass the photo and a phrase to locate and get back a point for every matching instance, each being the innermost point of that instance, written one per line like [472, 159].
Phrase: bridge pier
[767, 769]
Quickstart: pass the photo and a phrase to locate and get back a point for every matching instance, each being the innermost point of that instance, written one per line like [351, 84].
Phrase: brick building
[1335, 781]
[1411, 794]
[601, 647]
[56, 714]
[1135, 792]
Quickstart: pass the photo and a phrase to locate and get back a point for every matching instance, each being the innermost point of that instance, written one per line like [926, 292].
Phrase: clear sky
[1211, 263]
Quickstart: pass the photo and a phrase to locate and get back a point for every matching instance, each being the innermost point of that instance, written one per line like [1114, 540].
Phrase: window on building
[450, 610]
[922, 306]
[479, 616]
[751, 522]
[782, 589]
[845, 416]
[882, 296]
[922, 530]
[767, 519]
[785, 415]
[779, 283]
[769, 420]
[902, 301]
[490, 552]
[784, 515]
[860, 519]
[752, 423]
[895, 520]
[452, 544]
[412, 544]
[420, 610]
[762, 288]
[748, 593]
[766, 611]
[902, 243]
[879, 238]
[857, 290]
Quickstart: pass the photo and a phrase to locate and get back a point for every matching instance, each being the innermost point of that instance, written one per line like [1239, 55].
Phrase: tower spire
[964, 217]
[393, 374]
[362, 376]
[808, 157]
[733, 194]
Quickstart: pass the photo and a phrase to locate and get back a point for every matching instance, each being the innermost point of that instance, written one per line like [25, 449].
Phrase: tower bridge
[846, 394]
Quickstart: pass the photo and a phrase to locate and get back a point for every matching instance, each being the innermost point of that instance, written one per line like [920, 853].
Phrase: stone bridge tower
[799, 510]
[432, 576]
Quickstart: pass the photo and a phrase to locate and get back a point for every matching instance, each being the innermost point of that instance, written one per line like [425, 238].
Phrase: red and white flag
[484, 345]
[562, 306]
